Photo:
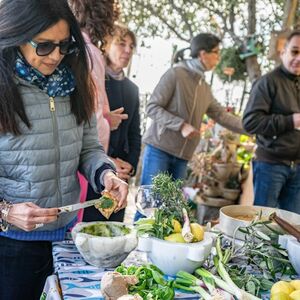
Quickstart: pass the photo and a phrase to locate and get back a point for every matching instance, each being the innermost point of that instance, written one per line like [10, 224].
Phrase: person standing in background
[273, 114]
[125, 142]
[96, 19]
[177, 106]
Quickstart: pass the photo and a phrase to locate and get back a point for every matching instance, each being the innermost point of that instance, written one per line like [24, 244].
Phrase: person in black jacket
[273, 114]
[125, 142]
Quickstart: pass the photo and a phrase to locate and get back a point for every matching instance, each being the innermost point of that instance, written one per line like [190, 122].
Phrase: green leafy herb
[254, 265]
[105, 202]
[169, 192]
[151, 285]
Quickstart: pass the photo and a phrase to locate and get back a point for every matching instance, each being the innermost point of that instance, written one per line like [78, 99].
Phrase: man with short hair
[273, 114]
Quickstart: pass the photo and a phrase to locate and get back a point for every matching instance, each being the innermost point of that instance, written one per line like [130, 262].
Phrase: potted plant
[231, 191]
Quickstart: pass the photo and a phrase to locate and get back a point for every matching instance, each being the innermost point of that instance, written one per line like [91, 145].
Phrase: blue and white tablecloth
[79, 280]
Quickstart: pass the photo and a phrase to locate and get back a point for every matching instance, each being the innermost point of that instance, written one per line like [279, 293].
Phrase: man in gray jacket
[176, 108]
[273, 114]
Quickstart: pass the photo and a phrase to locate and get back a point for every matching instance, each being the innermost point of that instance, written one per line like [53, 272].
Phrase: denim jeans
[24, 267]
[277, 185]
[156, 161]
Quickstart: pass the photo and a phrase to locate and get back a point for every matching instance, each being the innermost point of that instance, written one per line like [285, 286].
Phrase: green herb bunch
[169, 192]
[255, 265]
[151, 284]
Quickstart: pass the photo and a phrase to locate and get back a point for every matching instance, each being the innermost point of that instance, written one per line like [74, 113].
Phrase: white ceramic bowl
[229, 221]
[104, 251]
[291, 244]
[172, 257]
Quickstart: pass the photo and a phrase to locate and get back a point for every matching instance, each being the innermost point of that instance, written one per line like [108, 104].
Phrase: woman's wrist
[5, 207]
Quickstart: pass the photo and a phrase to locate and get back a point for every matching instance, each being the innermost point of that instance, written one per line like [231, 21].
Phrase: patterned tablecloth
[80, 280]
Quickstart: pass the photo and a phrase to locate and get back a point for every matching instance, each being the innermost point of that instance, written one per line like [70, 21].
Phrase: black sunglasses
[45, 48]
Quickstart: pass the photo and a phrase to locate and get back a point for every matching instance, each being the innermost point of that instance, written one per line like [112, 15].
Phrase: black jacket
[269, 114]
[125, 142]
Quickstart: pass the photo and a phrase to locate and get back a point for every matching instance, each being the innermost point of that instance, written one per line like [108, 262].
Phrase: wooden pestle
[286, 226]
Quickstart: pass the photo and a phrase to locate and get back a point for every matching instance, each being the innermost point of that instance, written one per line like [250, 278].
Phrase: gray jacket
[182, 95]
[41, 164]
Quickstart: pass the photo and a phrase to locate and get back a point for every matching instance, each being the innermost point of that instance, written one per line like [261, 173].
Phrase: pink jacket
[102, 106]
[97, 66]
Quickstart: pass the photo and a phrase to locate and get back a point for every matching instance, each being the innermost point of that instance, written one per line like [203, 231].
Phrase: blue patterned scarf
[60, 83]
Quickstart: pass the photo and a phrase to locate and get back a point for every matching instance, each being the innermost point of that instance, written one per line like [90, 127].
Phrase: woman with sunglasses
[47, 133]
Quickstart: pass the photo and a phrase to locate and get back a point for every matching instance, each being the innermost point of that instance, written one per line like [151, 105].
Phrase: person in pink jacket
[96, 19]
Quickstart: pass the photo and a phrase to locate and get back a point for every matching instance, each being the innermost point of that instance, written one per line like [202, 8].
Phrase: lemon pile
[283, 290]
[176, 237]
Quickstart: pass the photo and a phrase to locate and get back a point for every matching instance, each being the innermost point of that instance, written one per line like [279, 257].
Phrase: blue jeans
[156, 161]
[24, 267]
[277, 185]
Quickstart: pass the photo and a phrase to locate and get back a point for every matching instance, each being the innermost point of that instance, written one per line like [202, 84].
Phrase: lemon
[197, 231]
[282, 286]
[175, 238]
[177, 228]
[295, 284]
[295, 295]
[280, 296]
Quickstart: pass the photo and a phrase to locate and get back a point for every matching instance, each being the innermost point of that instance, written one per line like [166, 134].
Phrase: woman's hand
[189, 131]
[28, 216]
[123, 168]
[115, 117]
[117, 187]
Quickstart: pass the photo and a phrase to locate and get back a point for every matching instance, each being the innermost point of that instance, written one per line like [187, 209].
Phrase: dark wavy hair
[21, 21]
[96, 17]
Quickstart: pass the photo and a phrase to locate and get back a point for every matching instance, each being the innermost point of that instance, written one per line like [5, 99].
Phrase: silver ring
[38, 225]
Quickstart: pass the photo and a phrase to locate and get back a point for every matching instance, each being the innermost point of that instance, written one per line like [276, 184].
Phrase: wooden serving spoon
[286, 226]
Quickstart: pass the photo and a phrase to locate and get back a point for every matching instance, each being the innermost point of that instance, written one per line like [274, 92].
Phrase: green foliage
[170, 193]
[233, 183]
[106, 202]
[185, 18]
[244, 156]
[230, 58]
[151, 283]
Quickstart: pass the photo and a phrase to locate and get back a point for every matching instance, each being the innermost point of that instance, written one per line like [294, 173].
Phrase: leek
[226, 283]
[189, 282]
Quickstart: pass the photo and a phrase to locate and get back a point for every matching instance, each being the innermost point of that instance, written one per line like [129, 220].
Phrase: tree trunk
[290, 9]
[253, 67]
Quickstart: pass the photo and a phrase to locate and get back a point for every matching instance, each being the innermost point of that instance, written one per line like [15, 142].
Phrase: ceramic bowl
[104, 252]
[291, 244]
[230, 218]
[173, 257]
